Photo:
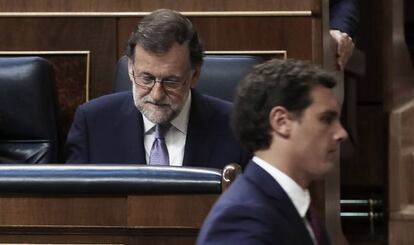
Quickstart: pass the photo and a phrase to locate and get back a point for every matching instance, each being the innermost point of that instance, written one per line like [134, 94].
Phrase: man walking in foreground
[286, 113]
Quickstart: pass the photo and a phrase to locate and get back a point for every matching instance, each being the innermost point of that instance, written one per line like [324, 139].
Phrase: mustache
[163, 102]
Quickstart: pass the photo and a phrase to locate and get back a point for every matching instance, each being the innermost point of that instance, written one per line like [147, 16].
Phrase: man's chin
[159, 117]
[328, 166]
[158, 120]
[322, 172]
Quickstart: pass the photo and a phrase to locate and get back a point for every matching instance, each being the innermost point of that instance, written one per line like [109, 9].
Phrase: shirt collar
[299, 197]
[180, 122]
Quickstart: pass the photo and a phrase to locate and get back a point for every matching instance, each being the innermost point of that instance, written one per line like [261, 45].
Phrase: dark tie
[159, 152]
[316, 225]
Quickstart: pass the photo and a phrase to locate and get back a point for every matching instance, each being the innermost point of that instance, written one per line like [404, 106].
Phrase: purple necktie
[315, 224]
[159, 151]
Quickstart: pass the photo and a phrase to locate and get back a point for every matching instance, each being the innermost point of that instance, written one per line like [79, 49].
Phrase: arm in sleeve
[77, 143]
[241, 224]
[344, 16]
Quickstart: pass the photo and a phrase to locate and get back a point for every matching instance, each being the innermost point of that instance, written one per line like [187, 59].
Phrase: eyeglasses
[147, 81]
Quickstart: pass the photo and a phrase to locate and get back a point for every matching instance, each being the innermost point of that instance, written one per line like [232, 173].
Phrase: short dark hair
[276, 82]
[158, 31]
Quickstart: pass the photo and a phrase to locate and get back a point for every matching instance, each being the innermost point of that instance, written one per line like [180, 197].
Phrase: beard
[158, 112]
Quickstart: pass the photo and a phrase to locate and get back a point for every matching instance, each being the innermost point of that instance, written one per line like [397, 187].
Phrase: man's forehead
[179, 48]
[176, 59]
[324, 99]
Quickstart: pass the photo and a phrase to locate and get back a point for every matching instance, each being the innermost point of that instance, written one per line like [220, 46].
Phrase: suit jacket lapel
[199, 132]
[132, 132]
[278, 198]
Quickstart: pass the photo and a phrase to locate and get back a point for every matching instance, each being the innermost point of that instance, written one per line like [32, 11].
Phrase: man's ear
[130, 69]
[280, 121]
[195, 76]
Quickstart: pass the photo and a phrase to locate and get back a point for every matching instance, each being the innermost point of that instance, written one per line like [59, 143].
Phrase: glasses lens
[148, 81]
[171, 84]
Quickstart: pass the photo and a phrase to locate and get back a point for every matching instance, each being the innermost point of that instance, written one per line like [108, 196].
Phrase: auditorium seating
[219, 74]
[107, 204]
[27, 111]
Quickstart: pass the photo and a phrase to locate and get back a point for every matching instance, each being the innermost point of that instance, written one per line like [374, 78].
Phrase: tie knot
[161, 130]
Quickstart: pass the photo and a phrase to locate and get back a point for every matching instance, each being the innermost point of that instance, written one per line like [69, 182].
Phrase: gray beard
[154, 116]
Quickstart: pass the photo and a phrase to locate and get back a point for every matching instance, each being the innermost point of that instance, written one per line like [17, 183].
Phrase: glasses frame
[149, 86]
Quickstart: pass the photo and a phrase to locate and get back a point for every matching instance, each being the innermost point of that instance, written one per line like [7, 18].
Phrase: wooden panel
[407, 132]
[371, 149]
[103, 219]
[183, 210]
[71, 74]
[401, 174]
[234, 33]
[97, 235]
[401, 157]
[406, 158]
[401, 232]
[96, 35]
[159, 241]
[409, 11]
[370, 40]
[399, 97]
[59, 238]
[143, 5]
[62, 210]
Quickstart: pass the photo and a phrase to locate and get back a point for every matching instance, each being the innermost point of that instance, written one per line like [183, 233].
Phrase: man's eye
[147, 79]
[172, 83]
[171, 80]
[327, 119]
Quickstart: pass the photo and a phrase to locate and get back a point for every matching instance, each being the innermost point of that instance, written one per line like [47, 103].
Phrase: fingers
[344, 49]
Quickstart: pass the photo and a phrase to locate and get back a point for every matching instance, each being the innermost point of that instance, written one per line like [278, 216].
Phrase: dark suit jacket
[110, 129]
[254, 210]
[344, 16]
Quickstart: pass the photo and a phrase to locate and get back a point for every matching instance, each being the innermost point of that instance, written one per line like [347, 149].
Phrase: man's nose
[342, 134]
[157, 91]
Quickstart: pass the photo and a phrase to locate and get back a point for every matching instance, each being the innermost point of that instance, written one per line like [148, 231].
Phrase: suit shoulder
[235, 220]
[245, 214]
[107, 102]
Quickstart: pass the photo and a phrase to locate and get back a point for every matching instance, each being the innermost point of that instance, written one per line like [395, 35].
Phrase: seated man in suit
[286, 113]
[162, 121]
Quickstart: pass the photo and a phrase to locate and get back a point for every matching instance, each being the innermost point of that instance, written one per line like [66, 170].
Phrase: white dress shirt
[175, 138]
[300, 197]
